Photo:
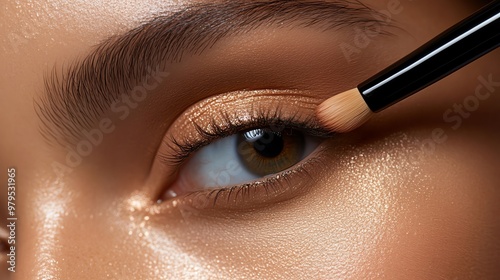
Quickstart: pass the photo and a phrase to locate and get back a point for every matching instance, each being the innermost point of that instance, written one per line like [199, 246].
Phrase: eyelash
[276, 184]
[185, 147]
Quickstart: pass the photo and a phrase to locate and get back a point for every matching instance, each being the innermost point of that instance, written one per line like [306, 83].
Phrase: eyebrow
[75, 98]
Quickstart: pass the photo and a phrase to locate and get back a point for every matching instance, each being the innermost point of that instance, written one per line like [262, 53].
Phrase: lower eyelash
[283, 183]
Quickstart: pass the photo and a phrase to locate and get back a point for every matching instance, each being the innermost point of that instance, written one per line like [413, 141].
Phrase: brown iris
[265, 151]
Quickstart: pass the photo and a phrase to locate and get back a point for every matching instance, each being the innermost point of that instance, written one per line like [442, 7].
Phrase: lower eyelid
[273, 189]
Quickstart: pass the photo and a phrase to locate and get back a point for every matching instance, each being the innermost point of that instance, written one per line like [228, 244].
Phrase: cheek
[448, 230]
[357, 206]
[81, 236]
[390, 214]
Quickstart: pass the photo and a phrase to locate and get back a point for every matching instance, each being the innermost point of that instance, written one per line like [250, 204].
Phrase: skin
[384, 206]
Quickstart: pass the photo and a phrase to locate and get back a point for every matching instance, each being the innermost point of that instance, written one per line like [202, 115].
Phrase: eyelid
[273, 119]
[223, 115]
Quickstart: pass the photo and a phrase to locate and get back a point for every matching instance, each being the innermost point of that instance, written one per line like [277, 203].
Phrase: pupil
[269, 144]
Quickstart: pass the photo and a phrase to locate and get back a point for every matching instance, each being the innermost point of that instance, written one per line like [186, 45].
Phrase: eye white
[218, 164]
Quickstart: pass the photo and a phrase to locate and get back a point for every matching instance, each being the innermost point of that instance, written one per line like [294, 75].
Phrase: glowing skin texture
[413, 194]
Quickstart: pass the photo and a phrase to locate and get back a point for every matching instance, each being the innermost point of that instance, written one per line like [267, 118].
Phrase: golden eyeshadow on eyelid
[242, 106]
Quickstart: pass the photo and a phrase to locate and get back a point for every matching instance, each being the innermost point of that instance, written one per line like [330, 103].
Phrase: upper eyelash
[184, 148]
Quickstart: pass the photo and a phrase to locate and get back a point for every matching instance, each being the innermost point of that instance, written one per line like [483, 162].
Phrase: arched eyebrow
[74, 99]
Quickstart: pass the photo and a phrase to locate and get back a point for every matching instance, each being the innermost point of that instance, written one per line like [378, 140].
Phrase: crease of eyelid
[76, 96]
[306, 97]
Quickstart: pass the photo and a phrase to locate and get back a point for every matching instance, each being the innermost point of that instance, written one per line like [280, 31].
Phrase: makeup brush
[451, 50]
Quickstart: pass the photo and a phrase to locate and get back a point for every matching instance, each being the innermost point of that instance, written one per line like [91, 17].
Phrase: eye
[243, 158]
[239, 151]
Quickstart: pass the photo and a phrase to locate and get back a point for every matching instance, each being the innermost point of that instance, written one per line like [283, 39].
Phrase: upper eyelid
[185, 147]
[261, 108]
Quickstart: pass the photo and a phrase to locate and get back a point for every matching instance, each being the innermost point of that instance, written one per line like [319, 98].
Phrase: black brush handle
[451, 50]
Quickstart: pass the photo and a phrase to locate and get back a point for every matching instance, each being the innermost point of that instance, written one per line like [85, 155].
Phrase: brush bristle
[344, 112]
